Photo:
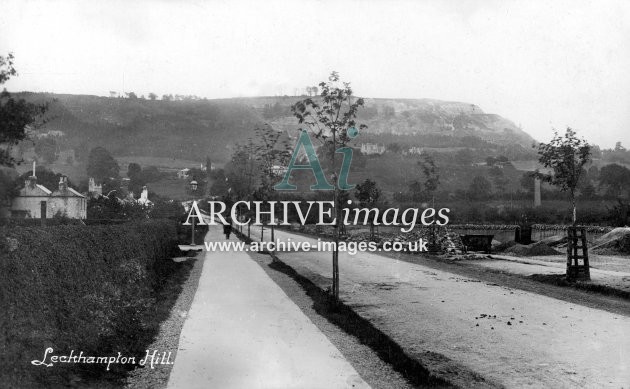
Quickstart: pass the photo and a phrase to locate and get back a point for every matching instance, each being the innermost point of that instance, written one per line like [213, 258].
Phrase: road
[511, 337]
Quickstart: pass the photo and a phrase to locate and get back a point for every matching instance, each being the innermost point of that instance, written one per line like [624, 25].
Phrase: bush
[81, 288]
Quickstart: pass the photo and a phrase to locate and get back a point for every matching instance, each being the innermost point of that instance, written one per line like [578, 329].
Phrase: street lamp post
[192, 248]
[193, 189]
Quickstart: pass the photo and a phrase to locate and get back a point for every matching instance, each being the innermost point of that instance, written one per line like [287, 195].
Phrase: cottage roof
[42, 187]
[69, 192]
[36, 191]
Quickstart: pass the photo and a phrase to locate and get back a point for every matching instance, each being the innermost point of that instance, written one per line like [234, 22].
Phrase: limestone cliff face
[409, 117]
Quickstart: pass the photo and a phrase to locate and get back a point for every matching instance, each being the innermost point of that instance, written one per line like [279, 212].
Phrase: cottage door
[43, 209]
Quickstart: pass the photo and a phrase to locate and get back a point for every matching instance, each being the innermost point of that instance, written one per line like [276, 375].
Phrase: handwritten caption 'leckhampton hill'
[151, 359]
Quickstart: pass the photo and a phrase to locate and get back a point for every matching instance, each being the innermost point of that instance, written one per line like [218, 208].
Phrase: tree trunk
[574, 209]
[335, 285]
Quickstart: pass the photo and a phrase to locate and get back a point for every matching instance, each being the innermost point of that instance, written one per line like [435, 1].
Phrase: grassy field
[170, 187]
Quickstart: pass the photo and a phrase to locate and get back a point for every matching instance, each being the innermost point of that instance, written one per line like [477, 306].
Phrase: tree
[431, 174]
[110, 208]
[167, 209]
[368, 195]
[8, 187]
[220, 183]
[240, 173]
[566, 156]
[614, 179]
[593, 173]
[331, 118]
[6, 68]
[133, 170]
[416, 190]
[15, 115]
[270, 151]
[136, 181]
[152, 96]
[619, 147]
[45, 177]
[619, 214]
[101, 165]
[480, 188]
[167, 97]
[209, 177]
[131, 95]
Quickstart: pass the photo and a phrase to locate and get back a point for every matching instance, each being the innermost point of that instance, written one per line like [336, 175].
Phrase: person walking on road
[227, 229]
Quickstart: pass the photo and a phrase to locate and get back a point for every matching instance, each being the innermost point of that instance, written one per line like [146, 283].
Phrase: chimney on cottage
[32, 180]
[63, 183]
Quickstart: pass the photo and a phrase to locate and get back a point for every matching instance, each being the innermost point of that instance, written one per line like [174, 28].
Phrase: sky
[542, 64]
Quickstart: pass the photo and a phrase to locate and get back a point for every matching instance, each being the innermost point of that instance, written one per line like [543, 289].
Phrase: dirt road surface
[509, 336]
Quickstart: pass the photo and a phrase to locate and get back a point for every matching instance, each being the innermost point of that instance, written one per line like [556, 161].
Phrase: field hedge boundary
[76, 287]
[563, 227]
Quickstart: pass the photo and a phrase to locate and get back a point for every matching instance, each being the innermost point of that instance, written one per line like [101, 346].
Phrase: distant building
[68, 202]
[372, 148]
[51, 134]
[93, 189]
[144, 197]
[415, 150]
[32, 201]
[183, 174]
[278, 170]
[37, 201]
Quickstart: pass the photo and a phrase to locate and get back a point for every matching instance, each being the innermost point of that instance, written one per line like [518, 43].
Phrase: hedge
[563, 227]
[74, 287]
[484, 227]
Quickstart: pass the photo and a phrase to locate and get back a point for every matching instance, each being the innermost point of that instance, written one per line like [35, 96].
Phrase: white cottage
[37, 201]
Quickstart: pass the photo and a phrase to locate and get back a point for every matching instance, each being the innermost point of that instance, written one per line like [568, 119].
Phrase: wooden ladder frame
[576, 242]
